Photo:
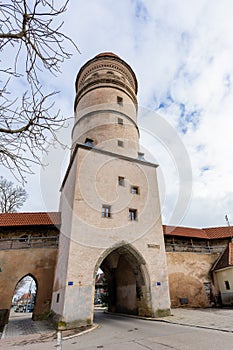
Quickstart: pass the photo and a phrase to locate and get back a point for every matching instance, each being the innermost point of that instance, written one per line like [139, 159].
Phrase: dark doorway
[124, 285]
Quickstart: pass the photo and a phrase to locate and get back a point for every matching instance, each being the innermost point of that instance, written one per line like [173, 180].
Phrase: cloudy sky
[182, 54]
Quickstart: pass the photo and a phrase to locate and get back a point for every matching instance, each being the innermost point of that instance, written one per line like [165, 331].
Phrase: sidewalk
[217, 319]
[22, 324]
[22, 330]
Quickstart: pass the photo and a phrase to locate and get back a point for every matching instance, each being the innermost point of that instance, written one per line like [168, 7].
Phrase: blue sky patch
[188, 119]
[141, 10]
[200, 148]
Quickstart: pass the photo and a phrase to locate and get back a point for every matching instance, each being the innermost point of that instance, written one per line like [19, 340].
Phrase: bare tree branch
[30, 31]
[11, 197]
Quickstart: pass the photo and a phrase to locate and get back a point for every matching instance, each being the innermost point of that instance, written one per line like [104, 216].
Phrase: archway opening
[121, 283]
[24, 297]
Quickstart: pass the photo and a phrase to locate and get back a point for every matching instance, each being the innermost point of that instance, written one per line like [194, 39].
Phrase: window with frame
[120, 121]
[120, 143]
[106, 211]
[120, 100]
[227, 285]
[134, 190]
[133, 214]
[121, 181]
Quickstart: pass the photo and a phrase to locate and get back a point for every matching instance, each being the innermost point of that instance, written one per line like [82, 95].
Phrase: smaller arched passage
[24, 296]
[126, 281]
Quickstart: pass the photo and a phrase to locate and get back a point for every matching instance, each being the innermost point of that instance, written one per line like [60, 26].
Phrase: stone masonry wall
[16, 264]
[189, 278]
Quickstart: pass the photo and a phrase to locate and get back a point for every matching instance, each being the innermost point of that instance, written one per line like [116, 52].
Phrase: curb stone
[95, 326]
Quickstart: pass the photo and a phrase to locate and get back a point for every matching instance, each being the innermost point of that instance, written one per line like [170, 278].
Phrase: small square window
[227, 285]
[134, 190]
[120, 143]
[133, 214]
[106, 211]
[120, 100]
[121, 181]
[89, 142]
[120, 121]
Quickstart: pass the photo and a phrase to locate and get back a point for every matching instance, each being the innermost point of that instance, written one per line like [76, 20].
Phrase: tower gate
[109, 204]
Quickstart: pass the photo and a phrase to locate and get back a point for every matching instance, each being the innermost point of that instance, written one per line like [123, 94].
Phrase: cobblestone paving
[26, 326]
[23, 325]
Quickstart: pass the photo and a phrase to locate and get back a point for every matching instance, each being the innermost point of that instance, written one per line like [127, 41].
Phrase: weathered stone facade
[197, 278]
[18, 263]
[109, 204]
[190, 279]
[27, 250]
[191, 256]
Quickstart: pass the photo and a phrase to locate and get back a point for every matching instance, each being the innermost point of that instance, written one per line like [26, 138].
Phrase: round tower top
[108, 56]
[103, 54]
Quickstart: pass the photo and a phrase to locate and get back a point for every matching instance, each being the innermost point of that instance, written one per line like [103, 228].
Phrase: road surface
[123, 333]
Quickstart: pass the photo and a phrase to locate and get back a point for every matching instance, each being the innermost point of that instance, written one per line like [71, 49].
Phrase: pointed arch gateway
[24, 296]
[127, 280]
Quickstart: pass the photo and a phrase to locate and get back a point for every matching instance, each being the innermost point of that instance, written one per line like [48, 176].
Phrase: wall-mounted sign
[70, 283]
[156, 246]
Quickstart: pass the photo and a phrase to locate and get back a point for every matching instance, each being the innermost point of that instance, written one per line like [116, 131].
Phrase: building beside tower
[110, 210]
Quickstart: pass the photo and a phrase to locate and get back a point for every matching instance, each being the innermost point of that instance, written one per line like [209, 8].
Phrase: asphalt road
[122, 333]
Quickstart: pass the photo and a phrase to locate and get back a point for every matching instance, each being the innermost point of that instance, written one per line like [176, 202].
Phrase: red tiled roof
[26, 296]
[225, 259]
[54, 218]
[29, 219]
[184, 232]
[219, 232]
[205, 233]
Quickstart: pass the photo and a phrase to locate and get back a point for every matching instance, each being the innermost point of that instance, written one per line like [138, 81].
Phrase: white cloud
[182, 54]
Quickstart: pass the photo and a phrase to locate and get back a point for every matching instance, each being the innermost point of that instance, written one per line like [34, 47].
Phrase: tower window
[227, 285]
[134, 190]
[133, 214]
[58, 297]
[120, 143]
[89, 142]
[120, 121]
[106, 211]
[121, 181]
[141, 156]
[120, 100]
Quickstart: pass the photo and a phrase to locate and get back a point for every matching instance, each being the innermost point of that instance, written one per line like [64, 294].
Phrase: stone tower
[109, 204]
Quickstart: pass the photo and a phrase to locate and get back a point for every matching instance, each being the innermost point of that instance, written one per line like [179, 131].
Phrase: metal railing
[29, 242]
